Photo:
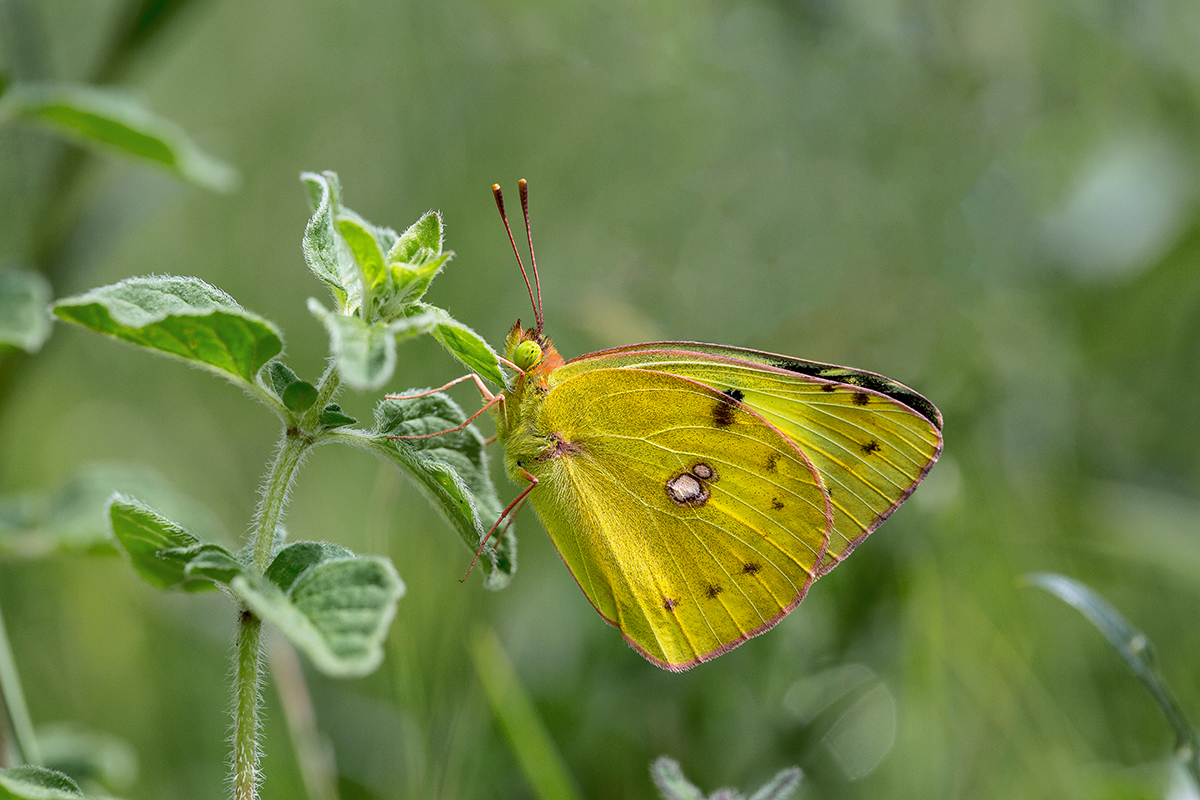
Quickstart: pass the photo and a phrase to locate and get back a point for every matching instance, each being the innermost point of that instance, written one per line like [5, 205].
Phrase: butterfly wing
[689, 521]
[871, 439]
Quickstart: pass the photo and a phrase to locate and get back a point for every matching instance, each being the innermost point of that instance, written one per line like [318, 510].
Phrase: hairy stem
[246, 699]
[275, 494]
[247, 667]
[12, 700]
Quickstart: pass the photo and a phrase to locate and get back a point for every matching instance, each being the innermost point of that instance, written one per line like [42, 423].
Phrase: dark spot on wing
[861, 398]
[750, 568]
[669, 603]
[870, 447]
[712, 591]
[775, 504]
[558, 447]
[773, 462]
[866, 380]
[723, 412]
[829, 387]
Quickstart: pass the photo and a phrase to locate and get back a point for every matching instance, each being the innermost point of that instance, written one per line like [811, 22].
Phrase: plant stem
[247, 695]
[13, 699]
[275, 493]
[247, 672]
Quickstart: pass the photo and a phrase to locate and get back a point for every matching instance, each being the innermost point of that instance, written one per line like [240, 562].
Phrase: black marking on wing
[722, 414]
[750, 568]
[865, 380]
[712, 591]
[870, 447]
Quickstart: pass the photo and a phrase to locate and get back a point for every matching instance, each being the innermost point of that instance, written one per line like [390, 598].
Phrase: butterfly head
[531, 351]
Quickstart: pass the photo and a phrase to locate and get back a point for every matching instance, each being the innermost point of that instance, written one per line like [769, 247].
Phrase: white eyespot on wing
[686, 489]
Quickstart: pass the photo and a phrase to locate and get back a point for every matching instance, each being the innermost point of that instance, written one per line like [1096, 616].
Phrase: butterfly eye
[527, 354]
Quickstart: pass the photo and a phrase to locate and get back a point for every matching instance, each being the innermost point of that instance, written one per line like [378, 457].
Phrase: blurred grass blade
[12, 703]
[24, 296]
[539, 758]
[37, 783]
[1137, 651]
[181, 317]
[115, 121]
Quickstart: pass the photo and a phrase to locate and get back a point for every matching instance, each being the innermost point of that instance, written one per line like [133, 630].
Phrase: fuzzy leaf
[159, 549]
[672, 785]
[327, 254]
[24, 296]
[465, 344]
[366, 250]
[181, 317]
[333, 417]
[365, 352]
[115, 121]
[37, 783]
[426, 233]
[450, 469]
[336, 608]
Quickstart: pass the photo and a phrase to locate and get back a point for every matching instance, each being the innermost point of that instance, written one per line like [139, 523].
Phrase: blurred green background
[992, 201]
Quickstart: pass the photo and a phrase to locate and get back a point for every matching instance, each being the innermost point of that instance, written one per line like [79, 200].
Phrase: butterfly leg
[492, 399]
[508, 511]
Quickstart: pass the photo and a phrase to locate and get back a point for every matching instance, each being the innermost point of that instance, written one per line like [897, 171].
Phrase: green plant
[331, 604]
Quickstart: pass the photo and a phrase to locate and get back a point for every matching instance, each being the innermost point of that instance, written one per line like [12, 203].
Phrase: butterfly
[696, 491]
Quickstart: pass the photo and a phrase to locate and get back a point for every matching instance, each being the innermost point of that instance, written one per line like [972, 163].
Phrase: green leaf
[295, 394]
[450, 469]
[290, 562]
[426, 233]
[111, 120]
[366, 250]
[74, 517]
[327, 254]
[24, 296]
[465, 344]
[335, 608]
[36, 783]
[300, 396]
[332, 417]
[365, 353]
[180, 317]
[159, 549]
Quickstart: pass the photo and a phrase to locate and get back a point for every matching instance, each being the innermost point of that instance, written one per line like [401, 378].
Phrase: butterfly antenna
[532, 259]
[537, 310]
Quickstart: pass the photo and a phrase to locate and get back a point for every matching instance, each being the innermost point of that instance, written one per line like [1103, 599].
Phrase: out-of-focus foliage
[992, 201]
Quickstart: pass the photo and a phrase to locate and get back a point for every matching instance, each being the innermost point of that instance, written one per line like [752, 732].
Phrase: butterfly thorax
[526, 443]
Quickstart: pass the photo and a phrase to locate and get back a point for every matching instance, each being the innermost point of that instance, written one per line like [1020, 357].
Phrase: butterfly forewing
[872, 440]
[690, 522]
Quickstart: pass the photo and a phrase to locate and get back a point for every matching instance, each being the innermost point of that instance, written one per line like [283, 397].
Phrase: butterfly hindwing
[871, 439]
[689, 521]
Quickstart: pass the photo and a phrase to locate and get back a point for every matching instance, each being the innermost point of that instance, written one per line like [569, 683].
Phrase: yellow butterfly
[696, 491]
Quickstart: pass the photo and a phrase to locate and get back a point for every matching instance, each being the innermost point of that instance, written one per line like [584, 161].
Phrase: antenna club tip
[522, 183]
[495, 187]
